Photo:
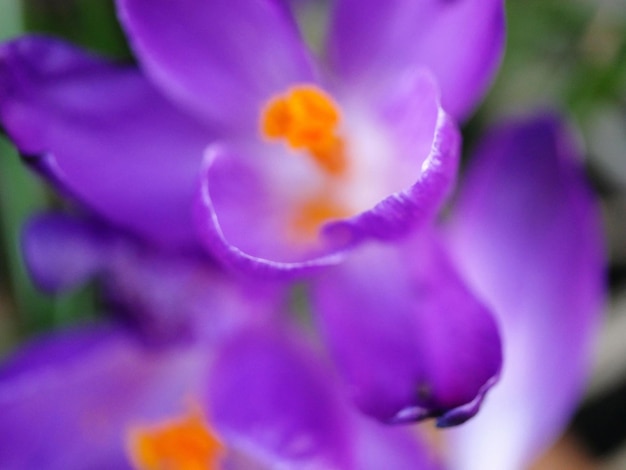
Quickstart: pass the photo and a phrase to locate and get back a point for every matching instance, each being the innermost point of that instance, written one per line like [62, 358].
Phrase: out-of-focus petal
[526, 232]
[62, 252]
[69, 401]
[269, 398]
[180, 298]
[166, 296]
[410, 340]
[461, 41]
[103, 134]
[220, 58]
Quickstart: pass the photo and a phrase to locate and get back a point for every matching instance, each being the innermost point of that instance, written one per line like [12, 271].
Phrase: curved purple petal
[70, 400]
[104, 135]
[461, 41]
[220, 58]
[526, 232]
[392, 186]
[244, 224]
[268, 398]
[408, 337]
[400, 212]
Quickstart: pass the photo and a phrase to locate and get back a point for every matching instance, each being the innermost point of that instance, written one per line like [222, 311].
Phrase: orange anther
[307, 119]
[183, 444]
[314, 213]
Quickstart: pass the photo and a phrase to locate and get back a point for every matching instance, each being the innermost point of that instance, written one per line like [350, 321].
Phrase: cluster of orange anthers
[308, 120]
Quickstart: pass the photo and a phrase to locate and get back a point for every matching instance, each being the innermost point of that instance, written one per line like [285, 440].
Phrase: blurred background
[568, 55]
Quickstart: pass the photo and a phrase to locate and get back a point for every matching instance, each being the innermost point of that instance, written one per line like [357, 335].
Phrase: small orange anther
[183, 444]
[314, 213]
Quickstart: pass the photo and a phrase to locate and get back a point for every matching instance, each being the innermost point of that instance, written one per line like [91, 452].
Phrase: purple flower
[286, 163]
[101, 398]
[302, 159]
[231, 145]
[214, 364]
[510, 236]
[388, 329]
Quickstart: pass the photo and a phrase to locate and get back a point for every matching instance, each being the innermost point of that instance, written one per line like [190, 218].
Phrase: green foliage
[91, 23]
[564, 55]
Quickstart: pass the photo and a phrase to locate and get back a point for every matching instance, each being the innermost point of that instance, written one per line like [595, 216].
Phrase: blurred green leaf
[90, 23]
[20, 196]
[10, 19]
[563, 55]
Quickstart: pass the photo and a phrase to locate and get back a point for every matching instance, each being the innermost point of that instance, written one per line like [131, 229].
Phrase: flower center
[183, 444]
[307, 119]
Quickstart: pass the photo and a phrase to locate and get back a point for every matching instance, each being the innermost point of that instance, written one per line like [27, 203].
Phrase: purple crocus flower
[288, 163]
[371, 336]
[229, 139]
[302, 159]
[225, 384]
[99, 398]
[547, 320]
[260, 383]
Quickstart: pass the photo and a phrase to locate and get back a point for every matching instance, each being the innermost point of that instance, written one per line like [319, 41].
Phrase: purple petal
[401, 211]
[410, 340]
[103, 134]
[526, 232]
[268, 398]
[221, 58]
[62, 252]
[461, 41]
[70, 400]
[242, 218]
[392, 187]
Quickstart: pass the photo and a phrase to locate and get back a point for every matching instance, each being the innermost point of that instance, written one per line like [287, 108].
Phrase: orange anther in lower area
[307, 119]
[329, 153]
[314, 213]
[182, 444]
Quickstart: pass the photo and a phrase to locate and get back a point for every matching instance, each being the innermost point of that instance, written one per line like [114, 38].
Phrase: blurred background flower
[568, 55]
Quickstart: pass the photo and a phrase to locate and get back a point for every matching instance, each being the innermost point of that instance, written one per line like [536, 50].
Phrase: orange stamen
[315, 212]
[184, 444]
[307, 119]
